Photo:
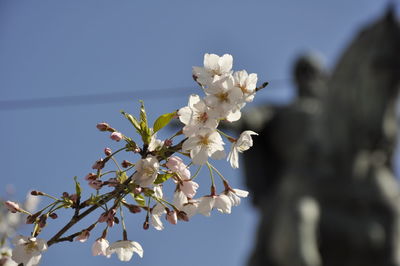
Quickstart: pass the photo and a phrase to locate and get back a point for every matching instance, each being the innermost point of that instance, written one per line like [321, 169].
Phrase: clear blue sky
[51, 48]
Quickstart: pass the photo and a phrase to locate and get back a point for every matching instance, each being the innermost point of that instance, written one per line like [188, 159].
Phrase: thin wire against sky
[102, 98]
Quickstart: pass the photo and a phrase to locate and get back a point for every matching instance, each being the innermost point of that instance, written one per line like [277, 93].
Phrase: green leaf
[161, 178]
[122, 177]
[77, 187]
[139, 199]
[162, 121]
[143, 116]
[133, 120]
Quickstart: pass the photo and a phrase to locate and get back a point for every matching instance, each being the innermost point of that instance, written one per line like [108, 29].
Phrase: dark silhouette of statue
[321, 168]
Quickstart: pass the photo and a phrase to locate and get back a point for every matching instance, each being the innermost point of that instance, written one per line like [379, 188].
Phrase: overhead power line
[101, 98]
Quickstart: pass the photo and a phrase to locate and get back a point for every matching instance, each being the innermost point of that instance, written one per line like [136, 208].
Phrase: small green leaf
[162, 121]
[143, 116]
[139, 199]
[161, 178]
[77, 187]
[133, 120]
[122, 177]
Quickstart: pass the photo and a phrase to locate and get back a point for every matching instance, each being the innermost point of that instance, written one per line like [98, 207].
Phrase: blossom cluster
[170, 160]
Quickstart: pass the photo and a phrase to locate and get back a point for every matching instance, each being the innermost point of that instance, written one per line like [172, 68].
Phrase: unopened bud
[126, 164]
[73, 197]
[36, 193]
[103, 126]
[83, 236]
[107, 151]
[65, 195]
[146, 225]
[137, 190]
[42, 221]
[134, 209]
[53, 215]
[90, 176]
[30, 219]
[12, 206]
[99, 164]
[96, 184]
[168, 142]
[117, 136]
[183, 216]
[116, 220]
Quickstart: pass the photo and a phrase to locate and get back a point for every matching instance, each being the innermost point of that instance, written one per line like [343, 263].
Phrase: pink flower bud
[172, 217]
[111, 218]
[126, 164]
[96, 184]
[107, 151]
[168, 142]
[146, 225]
[36, 193]
[137, 190]
[73, 197]
[53, 215]
[12, 206]
[103, 217]
[134, 208]
[99, 164]
[83, 236]
[102, 126]
[174, 163]
[90, 177]
[65, 195]
[117, 136]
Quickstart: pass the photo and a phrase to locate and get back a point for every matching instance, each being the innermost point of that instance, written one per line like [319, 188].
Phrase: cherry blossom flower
[235, 194]
[155, 144]
[206, 143]
[189, 188]
[214, 65]
[5, 257]
[12, 206]
[196, 115]
[125, 249]
[100, 246]
[190, 207]
[223, 204]
[247, 84]
[172, 217]
[240, 145]
[147, 170]
[176, 165]
[205, 205]
[155, 215]
[28, 250]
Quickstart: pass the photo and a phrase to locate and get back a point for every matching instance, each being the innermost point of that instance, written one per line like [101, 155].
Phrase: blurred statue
[321, 168]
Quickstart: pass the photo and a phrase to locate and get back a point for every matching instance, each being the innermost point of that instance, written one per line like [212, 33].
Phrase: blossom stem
[218, 172]
[231, 139]
[75, 219]
[197, 172]
[112, 158]
[211, 175]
